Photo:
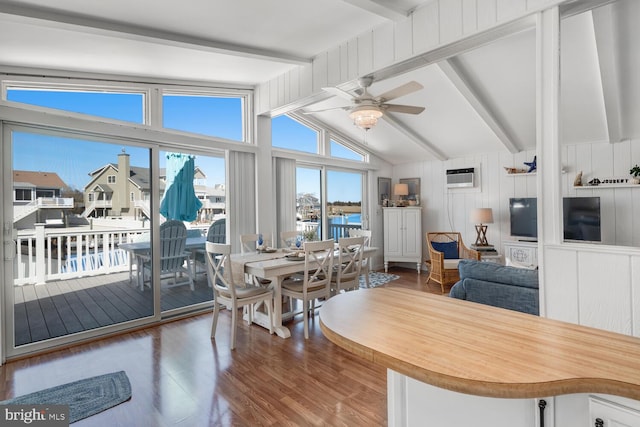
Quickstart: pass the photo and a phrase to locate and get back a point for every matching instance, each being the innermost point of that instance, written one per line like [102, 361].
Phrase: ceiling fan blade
[403, 90]
[339, 92]
[409, 109]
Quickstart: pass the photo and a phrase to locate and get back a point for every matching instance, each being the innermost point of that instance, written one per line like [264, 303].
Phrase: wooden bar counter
[480, 350]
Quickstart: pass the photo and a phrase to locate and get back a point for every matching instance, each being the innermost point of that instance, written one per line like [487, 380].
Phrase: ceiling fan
[365, 109]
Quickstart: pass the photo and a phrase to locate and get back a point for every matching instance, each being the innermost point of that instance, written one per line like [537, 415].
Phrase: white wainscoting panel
[561, 287]
[605, 291]
[635, 294]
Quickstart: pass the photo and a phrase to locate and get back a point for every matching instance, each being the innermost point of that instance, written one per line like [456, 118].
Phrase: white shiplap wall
[595, 285]
[432, 26]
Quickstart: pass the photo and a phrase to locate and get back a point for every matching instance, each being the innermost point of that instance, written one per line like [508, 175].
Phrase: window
[91, 197]
[45, 193]
[293, 135]
[111, 179]
[343, 152]
[23, 194]
[206, 115]
[113, 105]
[133, 197]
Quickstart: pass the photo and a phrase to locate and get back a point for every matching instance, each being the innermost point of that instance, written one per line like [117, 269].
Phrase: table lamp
[480, 217]
[401, 190]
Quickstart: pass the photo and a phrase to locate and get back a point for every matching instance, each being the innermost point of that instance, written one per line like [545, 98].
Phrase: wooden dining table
[276, 266]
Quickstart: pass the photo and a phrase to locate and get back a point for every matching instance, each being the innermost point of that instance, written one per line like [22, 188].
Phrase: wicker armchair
[446, 249]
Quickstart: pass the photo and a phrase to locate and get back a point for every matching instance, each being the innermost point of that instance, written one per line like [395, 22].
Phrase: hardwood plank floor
[180, 377]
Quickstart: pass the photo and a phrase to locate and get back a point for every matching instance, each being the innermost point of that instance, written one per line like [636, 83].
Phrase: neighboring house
[37, 198]
[119, 189]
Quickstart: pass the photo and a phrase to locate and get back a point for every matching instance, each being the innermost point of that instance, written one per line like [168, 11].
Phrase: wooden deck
[69, 306]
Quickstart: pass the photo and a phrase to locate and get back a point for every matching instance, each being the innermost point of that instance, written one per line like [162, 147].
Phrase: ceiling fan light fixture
[365, 116]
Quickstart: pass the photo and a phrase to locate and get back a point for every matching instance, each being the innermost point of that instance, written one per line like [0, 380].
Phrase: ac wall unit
[459, 178]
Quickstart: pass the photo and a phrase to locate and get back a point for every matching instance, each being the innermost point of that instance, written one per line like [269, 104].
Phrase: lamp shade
[482, 216]
[365, 116]
[401, 189]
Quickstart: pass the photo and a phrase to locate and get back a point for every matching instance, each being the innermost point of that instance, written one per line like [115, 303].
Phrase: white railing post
[40, 255]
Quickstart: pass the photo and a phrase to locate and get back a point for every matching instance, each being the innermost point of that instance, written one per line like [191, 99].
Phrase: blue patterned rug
[85, 397]
[377, 279]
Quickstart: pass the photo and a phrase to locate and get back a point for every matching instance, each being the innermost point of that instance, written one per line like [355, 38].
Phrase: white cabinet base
[403, 236]
[414, 403]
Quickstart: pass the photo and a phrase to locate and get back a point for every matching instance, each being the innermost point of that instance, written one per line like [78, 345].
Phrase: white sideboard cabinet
[524, 253]
[402, 235]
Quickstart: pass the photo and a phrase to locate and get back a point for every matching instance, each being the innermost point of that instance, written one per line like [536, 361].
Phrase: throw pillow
[449, 249]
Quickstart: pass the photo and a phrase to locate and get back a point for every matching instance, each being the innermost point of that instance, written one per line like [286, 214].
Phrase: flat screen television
[523, 214]
[581, 218]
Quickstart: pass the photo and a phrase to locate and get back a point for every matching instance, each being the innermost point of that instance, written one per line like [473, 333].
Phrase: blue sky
[73, 159]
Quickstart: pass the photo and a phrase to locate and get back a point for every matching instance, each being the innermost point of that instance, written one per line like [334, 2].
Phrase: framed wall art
[414, 188]
[384, 190]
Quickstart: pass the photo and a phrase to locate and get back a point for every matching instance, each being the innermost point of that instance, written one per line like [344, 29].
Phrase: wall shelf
[605, 186]
[521, 174]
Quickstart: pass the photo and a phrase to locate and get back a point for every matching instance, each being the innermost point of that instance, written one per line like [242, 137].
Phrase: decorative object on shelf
[577, 182]
[514, 170]
[481, 217]
[401, 190]
[594, 181]
[532, 165]
[414, 188]
[635, 172]
[384, 190]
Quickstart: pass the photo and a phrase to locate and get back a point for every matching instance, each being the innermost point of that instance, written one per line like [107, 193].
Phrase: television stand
[521, 252]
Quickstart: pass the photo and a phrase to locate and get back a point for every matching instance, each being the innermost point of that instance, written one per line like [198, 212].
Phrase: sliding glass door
[76, 203]
[333, 212]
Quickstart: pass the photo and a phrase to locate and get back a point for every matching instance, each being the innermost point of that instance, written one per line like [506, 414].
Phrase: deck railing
[43, 255]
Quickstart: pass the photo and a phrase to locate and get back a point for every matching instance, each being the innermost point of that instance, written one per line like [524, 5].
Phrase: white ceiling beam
[414, 137]
[607, 51]
[452, 69]
[55, 19]
[385, 9]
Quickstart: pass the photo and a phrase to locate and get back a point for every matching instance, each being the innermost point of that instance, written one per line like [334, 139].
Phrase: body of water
[355, 218]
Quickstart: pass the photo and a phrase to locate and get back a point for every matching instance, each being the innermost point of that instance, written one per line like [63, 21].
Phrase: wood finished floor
[180, 377]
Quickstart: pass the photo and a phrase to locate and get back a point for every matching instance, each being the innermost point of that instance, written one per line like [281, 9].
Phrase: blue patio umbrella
[179, 200]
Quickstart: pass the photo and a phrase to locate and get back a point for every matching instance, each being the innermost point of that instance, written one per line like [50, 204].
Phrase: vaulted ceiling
[479, 101]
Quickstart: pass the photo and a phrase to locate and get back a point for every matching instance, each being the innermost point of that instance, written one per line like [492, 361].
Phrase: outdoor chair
[359, 232]
[446, 249]
[174, 259]
[346, 272]
[217, 233]
[229, 293]
[316, 278]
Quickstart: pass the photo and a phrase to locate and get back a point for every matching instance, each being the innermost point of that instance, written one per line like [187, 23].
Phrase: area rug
[85, 397]
[377, 279]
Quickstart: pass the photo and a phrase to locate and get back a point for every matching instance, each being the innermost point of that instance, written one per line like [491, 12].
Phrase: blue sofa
[497, 285]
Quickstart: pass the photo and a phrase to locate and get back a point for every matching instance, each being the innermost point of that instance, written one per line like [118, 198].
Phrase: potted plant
[635, 172]
[309, 235]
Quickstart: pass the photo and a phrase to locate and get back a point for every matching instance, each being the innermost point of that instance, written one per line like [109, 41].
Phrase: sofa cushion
[492, 272]
[451, 264]
[497, 294]
[449, 249]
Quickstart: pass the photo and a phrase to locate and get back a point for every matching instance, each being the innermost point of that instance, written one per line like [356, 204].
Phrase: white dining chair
[365, 264]
[249, 244]
[346, 272]
[288, 238]
[316, 278]
[229, 293]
